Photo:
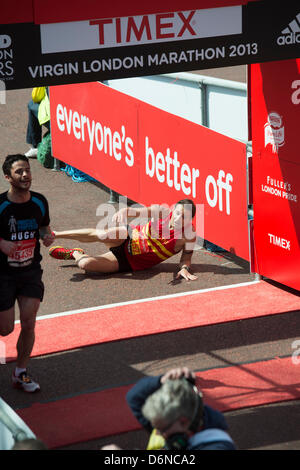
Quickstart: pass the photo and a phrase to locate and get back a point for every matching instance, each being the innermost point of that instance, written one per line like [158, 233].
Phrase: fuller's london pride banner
[275, 105]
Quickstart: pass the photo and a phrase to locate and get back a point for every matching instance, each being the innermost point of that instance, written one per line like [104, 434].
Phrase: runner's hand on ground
[186, 275]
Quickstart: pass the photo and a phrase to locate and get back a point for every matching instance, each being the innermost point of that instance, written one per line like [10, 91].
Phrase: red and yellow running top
[151, 243]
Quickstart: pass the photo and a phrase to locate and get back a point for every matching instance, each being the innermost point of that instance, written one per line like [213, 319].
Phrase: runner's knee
[6, 330]
[28, 325]
[84, 262]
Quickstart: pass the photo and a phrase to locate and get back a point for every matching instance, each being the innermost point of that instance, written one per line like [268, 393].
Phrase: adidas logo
[290, 34]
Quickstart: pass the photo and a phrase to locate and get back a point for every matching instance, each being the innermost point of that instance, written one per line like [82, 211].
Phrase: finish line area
[125, 320]
[109, 347]
[237, 381]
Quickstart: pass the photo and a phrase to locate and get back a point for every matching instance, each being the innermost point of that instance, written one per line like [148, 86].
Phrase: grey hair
[174, 399]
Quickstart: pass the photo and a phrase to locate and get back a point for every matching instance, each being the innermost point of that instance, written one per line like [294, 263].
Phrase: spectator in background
[38, 114]
[171, 407]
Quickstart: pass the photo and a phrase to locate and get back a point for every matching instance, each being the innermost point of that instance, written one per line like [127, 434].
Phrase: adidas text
[292, 38]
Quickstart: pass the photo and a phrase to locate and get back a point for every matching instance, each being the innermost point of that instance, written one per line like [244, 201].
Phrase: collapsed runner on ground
[137, 247]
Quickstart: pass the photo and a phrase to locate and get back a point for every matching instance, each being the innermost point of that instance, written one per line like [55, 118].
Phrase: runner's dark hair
[10, 160]
[188, 204]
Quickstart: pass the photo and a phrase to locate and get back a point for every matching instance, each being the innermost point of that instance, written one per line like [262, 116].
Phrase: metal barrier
[216, 103]
[198, 98]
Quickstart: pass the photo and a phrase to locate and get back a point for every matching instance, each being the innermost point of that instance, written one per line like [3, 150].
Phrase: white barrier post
[2, 92]
[2, 352]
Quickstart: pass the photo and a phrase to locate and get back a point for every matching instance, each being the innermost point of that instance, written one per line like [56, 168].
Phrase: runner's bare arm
[186, 261]
[154, 211]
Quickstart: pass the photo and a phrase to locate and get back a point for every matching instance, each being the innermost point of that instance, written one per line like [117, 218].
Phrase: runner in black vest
[24, 219]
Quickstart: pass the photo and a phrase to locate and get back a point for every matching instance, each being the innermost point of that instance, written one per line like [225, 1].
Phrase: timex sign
[148, 44]
[144, 29]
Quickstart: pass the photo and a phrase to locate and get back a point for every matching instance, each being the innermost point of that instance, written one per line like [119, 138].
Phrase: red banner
[54, 11]
[152, 156]
[275, 96]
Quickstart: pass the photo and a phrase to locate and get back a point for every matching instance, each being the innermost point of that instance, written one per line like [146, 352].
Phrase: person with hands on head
[137, 247]
[24, 220]
[171, 409]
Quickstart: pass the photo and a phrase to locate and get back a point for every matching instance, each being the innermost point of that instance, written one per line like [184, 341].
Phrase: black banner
[269, 31]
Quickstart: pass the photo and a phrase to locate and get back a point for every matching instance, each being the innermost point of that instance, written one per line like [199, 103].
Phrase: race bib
[24, 254]
[138, 243]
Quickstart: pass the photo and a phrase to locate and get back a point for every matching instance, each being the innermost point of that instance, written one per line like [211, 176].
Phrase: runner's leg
[106, 263]
[85, 235]
[110, 236]
[7, 304]
[28, 310]
[7, 321]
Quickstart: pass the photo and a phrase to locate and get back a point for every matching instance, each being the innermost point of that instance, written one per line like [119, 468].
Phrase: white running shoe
[31, 152]
[24, 382]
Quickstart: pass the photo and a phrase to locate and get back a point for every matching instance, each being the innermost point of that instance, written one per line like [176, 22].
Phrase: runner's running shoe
[24, 382]
[58, 252]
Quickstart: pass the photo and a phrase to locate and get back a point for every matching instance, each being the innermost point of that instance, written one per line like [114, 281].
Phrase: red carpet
[155, 316]
[94, 415]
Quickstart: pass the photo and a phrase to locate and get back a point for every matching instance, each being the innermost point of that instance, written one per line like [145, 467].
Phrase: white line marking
[150, 299]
